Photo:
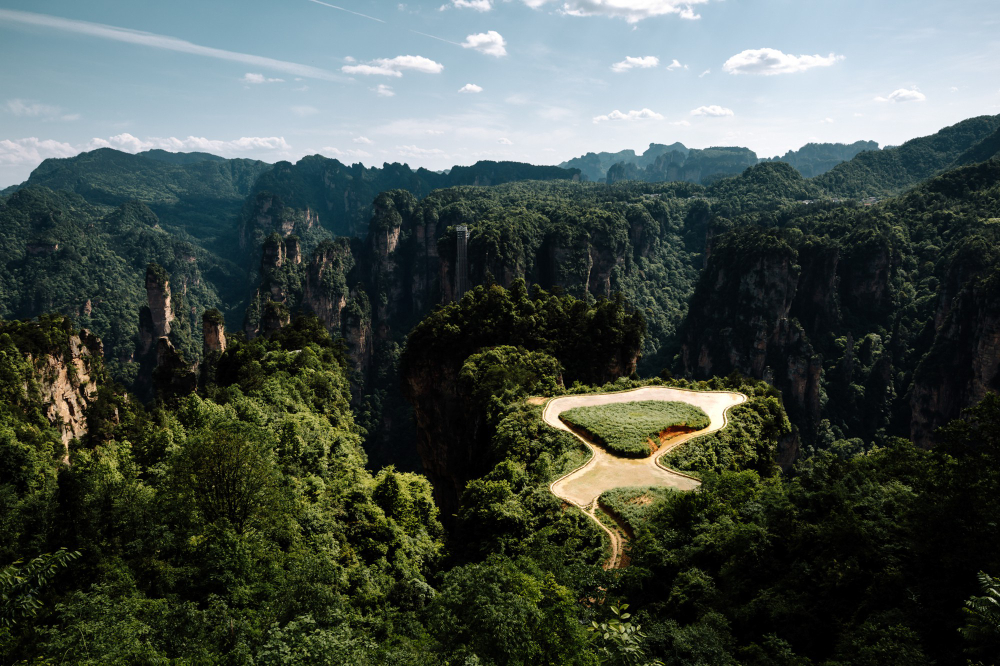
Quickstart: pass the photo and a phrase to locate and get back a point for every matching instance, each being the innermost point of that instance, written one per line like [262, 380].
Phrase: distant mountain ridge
[814, 159]
[706, 165]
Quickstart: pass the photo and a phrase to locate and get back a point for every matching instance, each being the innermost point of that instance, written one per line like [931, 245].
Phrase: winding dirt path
[606, 470]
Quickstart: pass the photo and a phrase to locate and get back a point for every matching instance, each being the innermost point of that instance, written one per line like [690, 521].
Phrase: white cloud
[353, 153]
[705, 73]
[903, 95]
[953, 89]
[33, 150]
[490, 43]
[250, 77]
[161, 42]
[363, 139]
[304, 111]
[383, 90]
[478, 5]
[132, 144]
[714, 111]
[772, 61]
[505, 141]
[470, 88]
[29, 109]
[827, 120]
[395, 66]
[675, 65]
[413, 151]
[632, 11]
[630, 62]
[644, 114]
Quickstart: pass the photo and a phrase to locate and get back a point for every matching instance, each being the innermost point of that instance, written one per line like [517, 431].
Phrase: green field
[626, 428]
[634, 504]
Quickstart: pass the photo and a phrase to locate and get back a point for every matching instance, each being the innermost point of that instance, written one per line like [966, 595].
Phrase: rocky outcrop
[68, 384]
[213, 332]
[964, 361]
[158, 295]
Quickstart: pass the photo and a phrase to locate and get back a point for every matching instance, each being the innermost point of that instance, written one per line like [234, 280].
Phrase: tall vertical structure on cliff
[461, 261]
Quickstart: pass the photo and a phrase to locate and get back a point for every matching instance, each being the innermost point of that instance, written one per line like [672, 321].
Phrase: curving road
[605, 470]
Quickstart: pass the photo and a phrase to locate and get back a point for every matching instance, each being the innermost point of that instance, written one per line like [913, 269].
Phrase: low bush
[632, 429]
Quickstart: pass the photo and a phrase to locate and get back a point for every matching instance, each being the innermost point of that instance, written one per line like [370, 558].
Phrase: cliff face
[159, 300]
[68, 384]
[741, 318]
[964, 362]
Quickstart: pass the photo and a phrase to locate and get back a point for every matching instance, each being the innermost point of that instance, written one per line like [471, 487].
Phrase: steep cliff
[53, 365]
[964, 362]
[741, 319]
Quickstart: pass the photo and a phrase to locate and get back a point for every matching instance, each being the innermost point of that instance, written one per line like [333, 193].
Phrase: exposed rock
[964, 362]
[158, 294]
[213, 328]
[68, 385]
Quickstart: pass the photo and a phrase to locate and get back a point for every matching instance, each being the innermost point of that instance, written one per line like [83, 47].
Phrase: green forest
[243, 425]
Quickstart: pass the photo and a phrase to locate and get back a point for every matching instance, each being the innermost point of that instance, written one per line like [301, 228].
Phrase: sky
[435, 84]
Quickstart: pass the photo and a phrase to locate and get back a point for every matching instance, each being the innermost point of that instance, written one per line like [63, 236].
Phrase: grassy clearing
[633, 428]
[634, 504]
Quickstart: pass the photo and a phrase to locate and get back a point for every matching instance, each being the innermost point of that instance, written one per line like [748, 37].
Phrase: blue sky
[453, 81]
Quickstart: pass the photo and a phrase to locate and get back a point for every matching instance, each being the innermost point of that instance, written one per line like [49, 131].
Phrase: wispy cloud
[30, 109]
[903, 95]
[644, 114]
[152, 40]
[478, 5]
[132, 144]
[490, 43]
[395, 66]
[352, 153]
[505, 141]
[327, 4]
[632, 11]
[768, 62]
[714, 111]
[304, 111]
[676, 65]
[630, 62]
[414, 151]
[257, 79]
[363, 140]
[383, 90]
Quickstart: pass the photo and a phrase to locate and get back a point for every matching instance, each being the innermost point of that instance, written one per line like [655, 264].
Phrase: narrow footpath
[605, 470]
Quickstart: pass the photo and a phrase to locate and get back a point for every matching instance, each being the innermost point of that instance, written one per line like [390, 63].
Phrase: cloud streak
[903, 95]
[713, 111]
[631, 62]
[326, 4]
[395, 66]
[632, 11]
[768, 62]
[164, 42]
[644, 114]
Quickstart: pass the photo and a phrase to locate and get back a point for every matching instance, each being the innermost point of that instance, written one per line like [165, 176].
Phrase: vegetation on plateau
[633, 429]
[634, 504]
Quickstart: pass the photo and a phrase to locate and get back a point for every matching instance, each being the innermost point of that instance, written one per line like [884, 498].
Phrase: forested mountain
[340, 195]
[594, 166]
[691, 165]
[814, 159]
[889, 171]
[235, 503]
[677, 162]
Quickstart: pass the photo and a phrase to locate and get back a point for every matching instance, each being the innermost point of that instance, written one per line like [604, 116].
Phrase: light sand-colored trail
[605, 470]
